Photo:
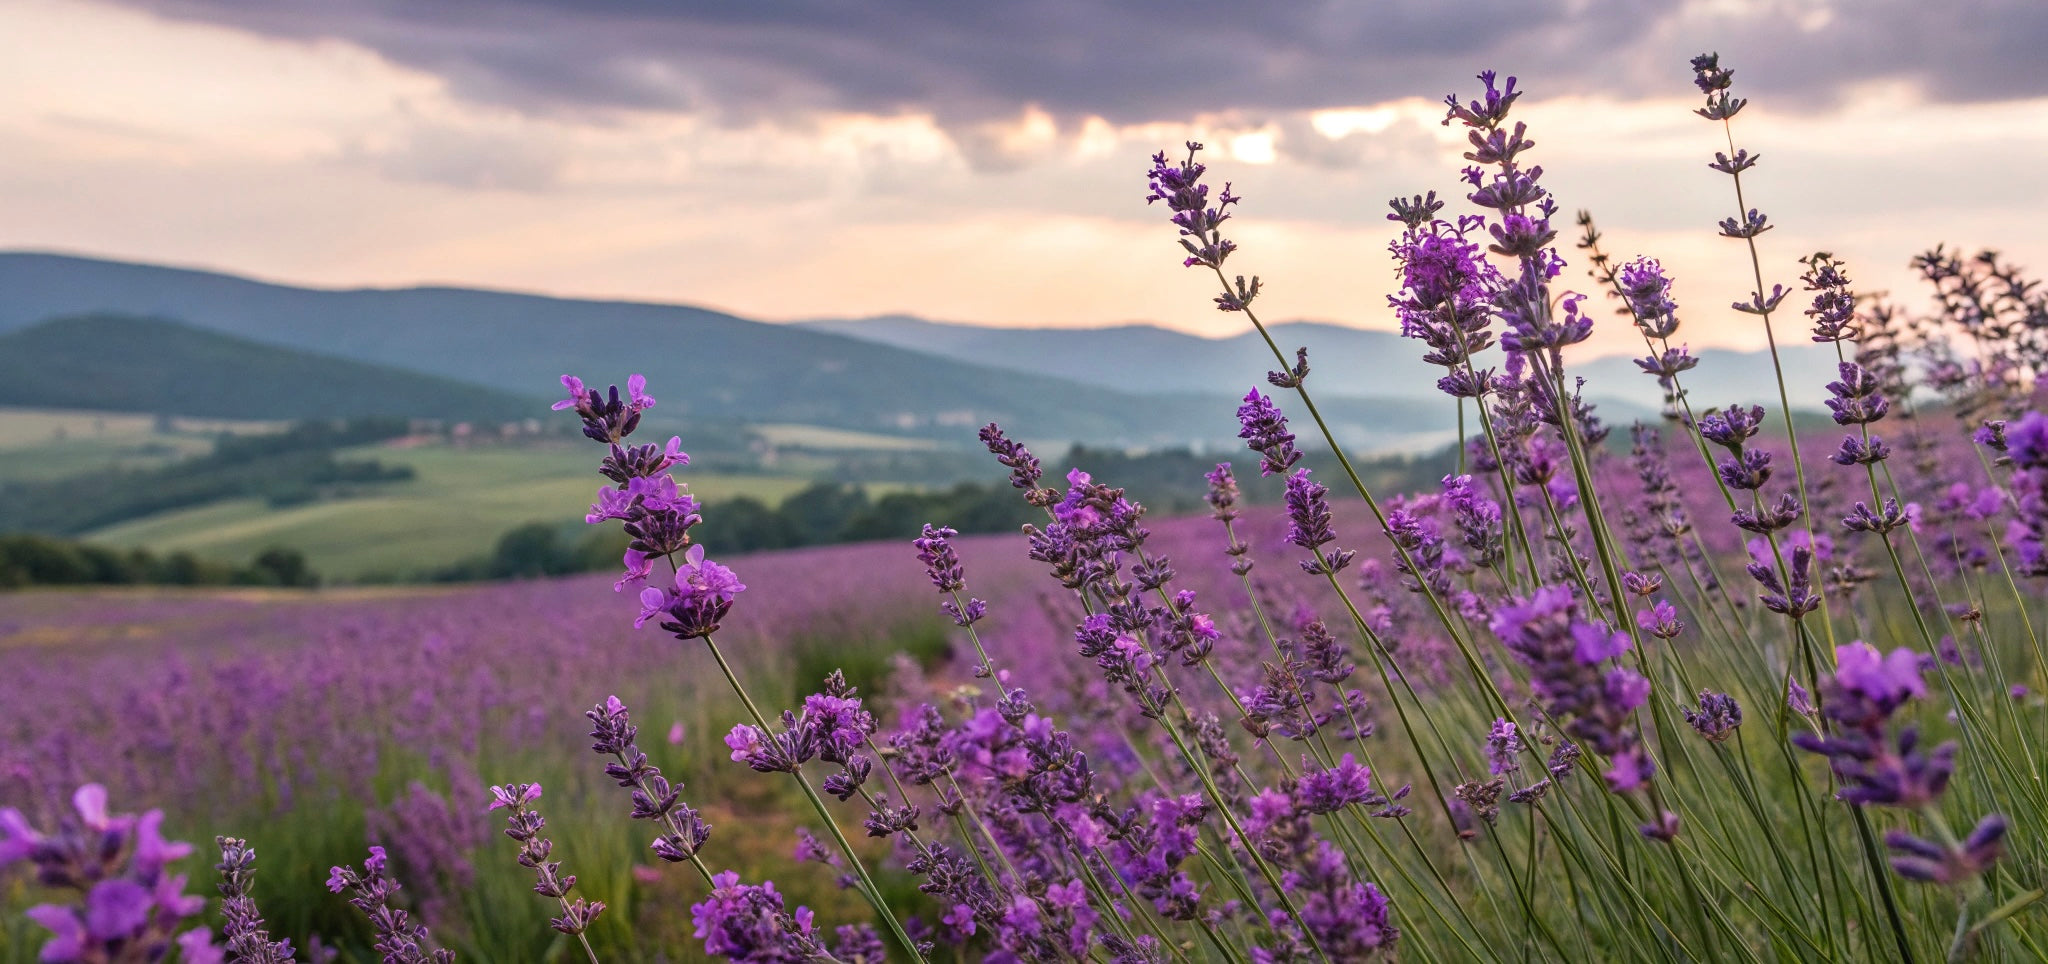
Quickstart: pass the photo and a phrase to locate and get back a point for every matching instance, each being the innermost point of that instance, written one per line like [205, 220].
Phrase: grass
[43, 444]
[834, 439]
[457, 505]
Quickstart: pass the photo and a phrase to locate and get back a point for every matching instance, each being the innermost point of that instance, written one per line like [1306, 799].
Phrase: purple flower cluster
[1519, 226]
[1447, 288]
[1025, 471]
[243, 932]
[606, 417]
[524, 825]
[942, 564]
[2025, 445]
[1878, 767]
[1264, 430]
[1180, 186]
[1308, 525]
[613, 734]
[750, 924]
[1568, 659]
[656, 512]
[703, 594]
[1886, 765]
[129, 905]
[399, 939]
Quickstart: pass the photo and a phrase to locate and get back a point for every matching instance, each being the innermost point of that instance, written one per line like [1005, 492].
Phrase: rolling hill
[1347, 361]
[121, 363]
[699, 362]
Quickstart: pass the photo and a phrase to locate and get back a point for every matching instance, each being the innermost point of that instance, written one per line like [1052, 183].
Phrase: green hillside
[124, 363]
[700, 363]
[456, 505]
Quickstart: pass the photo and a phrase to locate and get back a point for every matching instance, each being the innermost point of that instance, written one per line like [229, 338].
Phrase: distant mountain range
[1134, 385]
[128, 364]
[1346, 361]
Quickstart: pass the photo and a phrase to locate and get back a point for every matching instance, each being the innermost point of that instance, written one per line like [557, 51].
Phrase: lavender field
[1732, 681]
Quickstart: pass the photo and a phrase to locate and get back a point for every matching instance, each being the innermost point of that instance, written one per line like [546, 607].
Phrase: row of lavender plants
[1545, 718]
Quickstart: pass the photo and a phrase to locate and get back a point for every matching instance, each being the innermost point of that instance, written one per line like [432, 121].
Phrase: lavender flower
[607, 418]
[1481, 526]
[1718, 716]
[247, 939]
[399, 940]
[1834, 306]
[523, 825]
[1647, 289]
[1875, 766]
[1445, 300]
[683, 830]
[749, 924]
[1855, 399]
[1024, 467]
[129, 907]
[1350, 920]
[942, 566]
[1308, 525]
[1923, 860]
[1503, 745]
[2026, 447]
[702, 596]
[1346, 784]
[1180, 186]
[1793, 596]
[1223, 494]
[1264, 430]
[1566, 655]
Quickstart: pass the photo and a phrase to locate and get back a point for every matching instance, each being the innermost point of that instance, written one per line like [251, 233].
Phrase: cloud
[465, 158]
[973, 64]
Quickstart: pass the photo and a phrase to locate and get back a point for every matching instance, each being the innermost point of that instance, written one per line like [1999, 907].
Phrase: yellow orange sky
[127, 135]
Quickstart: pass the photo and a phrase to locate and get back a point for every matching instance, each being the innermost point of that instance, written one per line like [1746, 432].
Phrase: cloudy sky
[984, 161]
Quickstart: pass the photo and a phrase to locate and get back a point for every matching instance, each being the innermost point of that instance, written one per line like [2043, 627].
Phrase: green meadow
[458, 503]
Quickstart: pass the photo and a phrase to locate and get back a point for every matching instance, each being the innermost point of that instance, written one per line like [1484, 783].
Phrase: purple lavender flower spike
[1180, 186]
[1647, 289]
[942, 566]
[1347, 784]
[1665, 828]
[1503, 745]
[524, 825]
[751, 922]
[399, 939]
[606, 417]
[1929, 862]
[1834, 305]
[1714, 80]
[1308, 525]
[1264, 430]
[246, 937]
[683, 830]
[1660, 620]
[1567, 657]
[1855, 399]
[1222, 494]
[1024, 467]
[129, 907]
[1718, 716]
[703, 594]
[1876, 765]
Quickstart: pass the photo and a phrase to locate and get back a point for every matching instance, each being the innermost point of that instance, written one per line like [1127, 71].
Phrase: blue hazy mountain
[1345, 360]
[123, 363]
[699, 362]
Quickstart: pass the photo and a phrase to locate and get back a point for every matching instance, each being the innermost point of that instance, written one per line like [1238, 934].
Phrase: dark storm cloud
[969, 61]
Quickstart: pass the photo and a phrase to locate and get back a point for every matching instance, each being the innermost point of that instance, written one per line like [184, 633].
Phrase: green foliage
[283, 468]
[122, 363]
[36, 560]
